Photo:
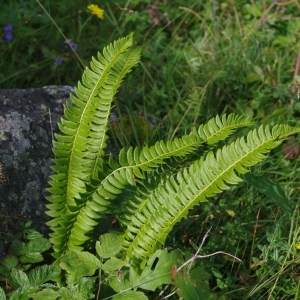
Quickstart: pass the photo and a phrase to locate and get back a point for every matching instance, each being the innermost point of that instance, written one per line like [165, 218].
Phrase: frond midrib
[116, 86]
[101, 80]
[231, 167]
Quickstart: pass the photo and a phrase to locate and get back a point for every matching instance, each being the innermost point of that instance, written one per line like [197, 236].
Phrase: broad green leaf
[7, 263]
[109, 245]
[19, 278]
[65, 294]
[120, 280]
[157, 270]
[2, 294]
[30, 252]
[188, 290]
[84, 289]
[44, 273]
[131, 295]
[22, 293]
[114, 264]
[79, 264]
[45, 294]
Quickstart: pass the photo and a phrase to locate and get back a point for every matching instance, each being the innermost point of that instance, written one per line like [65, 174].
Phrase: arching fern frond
[156, 186]
[216, 129]
[134, 162]
[79, 149]
[219, 128]
[205, 178]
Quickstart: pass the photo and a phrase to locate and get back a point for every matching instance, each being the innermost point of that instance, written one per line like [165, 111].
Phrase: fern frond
[215, 130]
[219, 128]
[205, 178]
[79, 149]
[134, 163]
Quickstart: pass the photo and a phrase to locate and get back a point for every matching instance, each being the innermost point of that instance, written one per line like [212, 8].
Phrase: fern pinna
[165, 180]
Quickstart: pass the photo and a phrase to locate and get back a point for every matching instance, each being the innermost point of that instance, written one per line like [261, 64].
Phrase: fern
[133, 164]
[79, 150]
[148, 189]
[206, 177]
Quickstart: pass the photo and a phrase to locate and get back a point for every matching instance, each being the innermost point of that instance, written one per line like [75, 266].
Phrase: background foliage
[199, 58]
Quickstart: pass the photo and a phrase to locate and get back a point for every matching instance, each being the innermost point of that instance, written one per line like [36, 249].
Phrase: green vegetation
[204, 213]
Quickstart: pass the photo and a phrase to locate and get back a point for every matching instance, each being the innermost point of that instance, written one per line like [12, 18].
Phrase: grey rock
[28, 119]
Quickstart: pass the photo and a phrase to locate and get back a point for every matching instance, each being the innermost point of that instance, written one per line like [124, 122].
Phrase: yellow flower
[96, 10]
[297, 245]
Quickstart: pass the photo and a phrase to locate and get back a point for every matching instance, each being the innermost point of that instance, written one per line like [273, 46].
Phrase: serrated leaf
[42, 274]
[65, 294]
[45, 294]
[188, 290]
[114, 264]
[120, 280]
[130, 295]
[21, 293]
[19, 278]
[84, 289]
[7, 263]
[109, 245]
[2, 294]
[157, 270]
[30, 252]
[79, 264]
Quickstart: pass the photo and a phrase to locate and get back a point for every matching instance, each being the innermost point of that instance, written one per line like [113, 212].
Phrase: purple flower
[71, 44]
[8, 37]
[59, 60]
[7, 28]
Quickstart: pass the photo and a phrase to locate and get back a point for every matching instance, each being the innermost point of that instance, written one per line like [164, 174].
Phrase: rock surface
[28, 118]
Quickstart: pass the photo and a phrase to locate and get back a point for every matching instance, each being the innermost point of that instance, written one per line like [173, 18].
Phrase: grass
[199, 59]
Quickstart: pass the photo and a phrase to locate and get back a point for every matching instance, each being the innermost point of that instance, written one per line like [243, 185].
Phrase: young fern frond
[79, 149]
[206, 177]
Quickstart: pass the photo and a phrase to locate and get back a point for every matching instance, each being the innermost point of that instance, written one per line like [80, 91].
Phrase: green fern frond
[156, 186]
[219, 128]
[79, 149]
[205, 178]
[216, 129]
[134, 163]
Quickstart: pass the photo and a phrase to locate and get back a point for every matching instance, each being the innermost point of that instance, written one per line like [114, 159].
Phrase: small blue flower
[7, 28]
[8, 37]
[59, 60]
[71, 44]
